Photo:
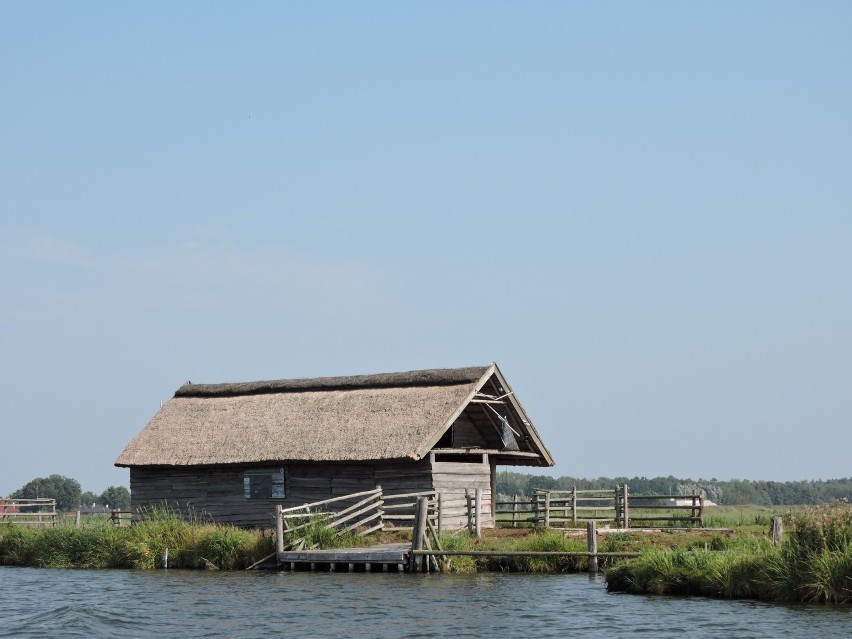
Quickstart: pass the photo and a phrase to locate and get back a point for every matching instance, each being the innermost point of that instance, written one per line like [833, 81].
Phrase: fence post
[514, 510]
[440, 514]
[574, 504]
[626, 508]
[619, 508]
[536, 506]
[592, 544]
[547, 509]
[701, 509]
[777, 531]
[478, 494]
[279, 529]
[77, 520]
[469, 504]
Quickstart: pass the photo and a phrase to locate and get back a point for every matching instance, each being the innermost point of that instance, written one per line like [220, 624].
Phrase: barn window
[264, 483]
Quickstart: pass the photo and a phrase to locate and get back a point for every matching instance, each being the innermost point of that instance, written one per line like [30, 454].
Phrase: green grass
[537, 541]
[139, 546]
[814, 564]
[744, 517]
[192, 542]
[316, 534]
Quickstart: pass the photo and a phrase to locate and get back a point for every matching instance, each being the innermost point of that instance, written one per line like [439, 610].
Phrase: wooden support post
[626, 507]
[440, 514]
[478, 513]
[547, 510]
[421, 518]
[165, 558]
[412, 559]
[279, 529]
[592, 544]
[494, 493]
[469, 503]
[514, 510]
[701, 509]
[77, 522]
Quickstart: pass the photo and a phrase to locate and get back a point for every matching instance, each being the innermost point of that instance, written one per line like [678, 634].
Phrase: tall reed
[814, 564]
[139, 546]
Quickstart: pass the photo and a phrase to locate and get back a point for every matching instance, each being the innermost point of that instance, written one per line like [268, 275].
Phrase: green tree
[116, 497]
[64, 490]
[88, 498]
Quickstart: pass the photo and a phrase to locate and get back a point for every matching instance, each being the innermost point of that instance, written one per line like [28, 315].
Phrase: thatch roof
[364, 417]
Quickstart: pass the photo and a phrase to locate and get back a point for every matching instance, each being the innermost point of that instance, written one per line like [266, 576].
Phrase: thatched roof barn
[302, 440]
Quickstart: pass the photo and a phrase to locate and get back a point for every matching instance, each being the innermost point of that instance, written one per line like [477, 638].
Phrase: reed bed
[189, 544]
[813, 564]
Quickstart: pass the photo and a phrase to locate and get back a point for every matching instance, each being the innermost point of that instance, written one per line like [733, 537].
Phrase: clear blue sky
[641, 211]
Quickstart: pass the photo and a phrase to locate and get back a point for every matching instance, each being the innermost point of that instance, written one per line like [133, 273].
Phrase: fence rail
[401, 510]
[361, 512]
[569, 508]
[29, 512]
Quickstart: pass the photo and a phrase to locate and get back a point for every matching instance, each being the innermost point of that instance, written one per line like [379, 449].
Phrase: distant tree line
[735, 491]
[69, 495]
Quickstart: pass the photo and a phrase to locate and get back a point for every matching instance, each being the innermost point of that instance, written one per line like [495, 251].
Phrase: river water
[176, 603]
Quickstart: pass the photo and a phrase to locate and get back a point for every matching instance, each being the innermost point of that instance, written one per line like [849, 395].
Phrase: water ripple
[156, 604]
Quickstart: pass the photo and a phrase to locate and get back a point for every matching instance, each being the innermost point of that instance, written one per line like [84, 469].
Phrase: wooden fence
[570, 508]
[29, 512]
[364, 513]
[401, 510]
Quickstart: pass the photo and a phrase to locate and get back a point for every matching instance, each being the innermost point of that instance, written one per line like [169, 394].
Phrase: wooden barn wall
[402, 477]
[203, 494]
[216, 493]
[308, 482]
[452, 479]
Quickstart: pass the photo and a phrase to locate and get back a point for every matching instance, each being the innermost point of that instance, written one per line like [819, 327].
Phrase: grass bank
[190, 545]
[516, 541]
[813, 564]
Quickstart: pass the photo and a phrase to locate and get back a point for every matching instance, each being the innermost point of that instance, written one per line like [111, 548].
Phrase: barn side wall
[202, 494]
[216, 493]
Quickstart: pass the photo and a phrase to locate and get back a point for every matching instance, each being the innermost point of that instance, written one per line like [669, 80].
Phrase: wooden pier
[380, 558]
[361, 511]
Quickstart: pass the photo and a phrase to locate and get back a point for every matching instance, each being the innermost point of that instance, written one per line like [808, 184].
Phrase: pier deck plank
[381, 554]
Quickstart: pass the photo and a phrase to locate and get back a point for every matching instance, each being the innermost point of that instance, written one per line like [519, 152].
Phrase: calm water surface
[117, 603]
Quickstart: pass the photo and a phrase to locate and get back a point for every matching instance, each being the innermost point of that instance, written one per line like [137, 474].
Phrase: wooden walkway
[380, 558]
